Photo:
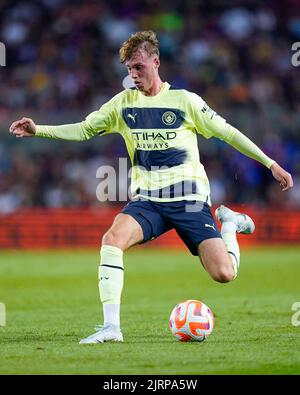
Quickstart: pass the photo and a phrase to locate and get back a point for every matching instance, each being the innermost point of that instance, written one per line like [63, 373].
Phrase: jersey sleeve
[206, 121]
[243, 144]
[102, 121]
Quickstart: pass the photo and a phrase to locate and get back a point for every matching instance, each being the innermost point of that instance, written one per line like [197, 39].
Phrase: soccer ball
[191, 320]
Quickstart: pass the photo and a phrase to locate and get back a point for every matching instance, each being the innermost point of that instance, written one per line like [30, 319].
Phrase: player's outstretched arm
[209, 124]
[247, 147]
[102, 121]
[24, 127]
[81, 131]
[283, 177]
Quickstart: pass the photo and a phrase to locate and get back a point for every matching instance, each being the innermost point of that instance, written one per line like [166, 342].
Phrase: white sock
[111, 313]
[111, 277]
[228, 232]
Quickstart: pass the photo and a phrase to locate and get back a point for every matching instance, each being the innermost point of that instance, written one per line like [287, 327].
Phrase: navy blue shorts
[192, 221]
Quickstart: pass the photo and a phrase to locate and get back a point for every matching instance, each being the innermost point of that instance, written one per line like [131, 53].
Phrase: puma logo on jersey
[210, 226]
[132, 116]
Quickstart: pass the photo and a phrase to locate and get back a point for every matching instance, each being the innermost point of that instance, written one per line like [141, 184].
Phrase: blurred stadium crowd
[62, 63]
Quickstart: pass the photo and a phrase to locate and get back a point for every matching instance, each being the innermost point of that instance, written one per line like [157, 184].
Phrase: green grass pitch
[52, 301]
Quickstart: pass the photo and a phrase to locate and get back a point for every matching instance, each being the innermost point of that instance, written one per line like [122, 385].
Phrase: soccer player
[170, 189]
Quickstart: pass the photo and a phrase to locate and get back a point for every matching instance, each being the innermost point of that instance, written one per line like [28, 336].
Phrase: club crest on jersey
[169, 118]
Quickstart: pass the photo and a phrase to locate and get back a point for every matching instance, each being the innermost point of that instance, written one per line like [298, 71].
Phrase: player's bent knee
[111, 238]
[224, 275]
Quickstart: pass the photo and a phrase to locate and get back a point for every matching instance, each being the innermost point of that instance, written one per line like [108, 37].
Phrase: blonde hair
[145, 40]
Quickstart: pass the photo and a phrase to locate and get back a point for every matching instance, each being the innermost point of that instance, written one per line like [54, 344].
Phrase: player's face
[143, 69]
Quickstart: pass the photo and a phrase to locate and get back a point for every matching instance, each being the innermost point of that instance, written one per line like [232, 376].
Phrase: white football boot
[244, 224]
[104, 333]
